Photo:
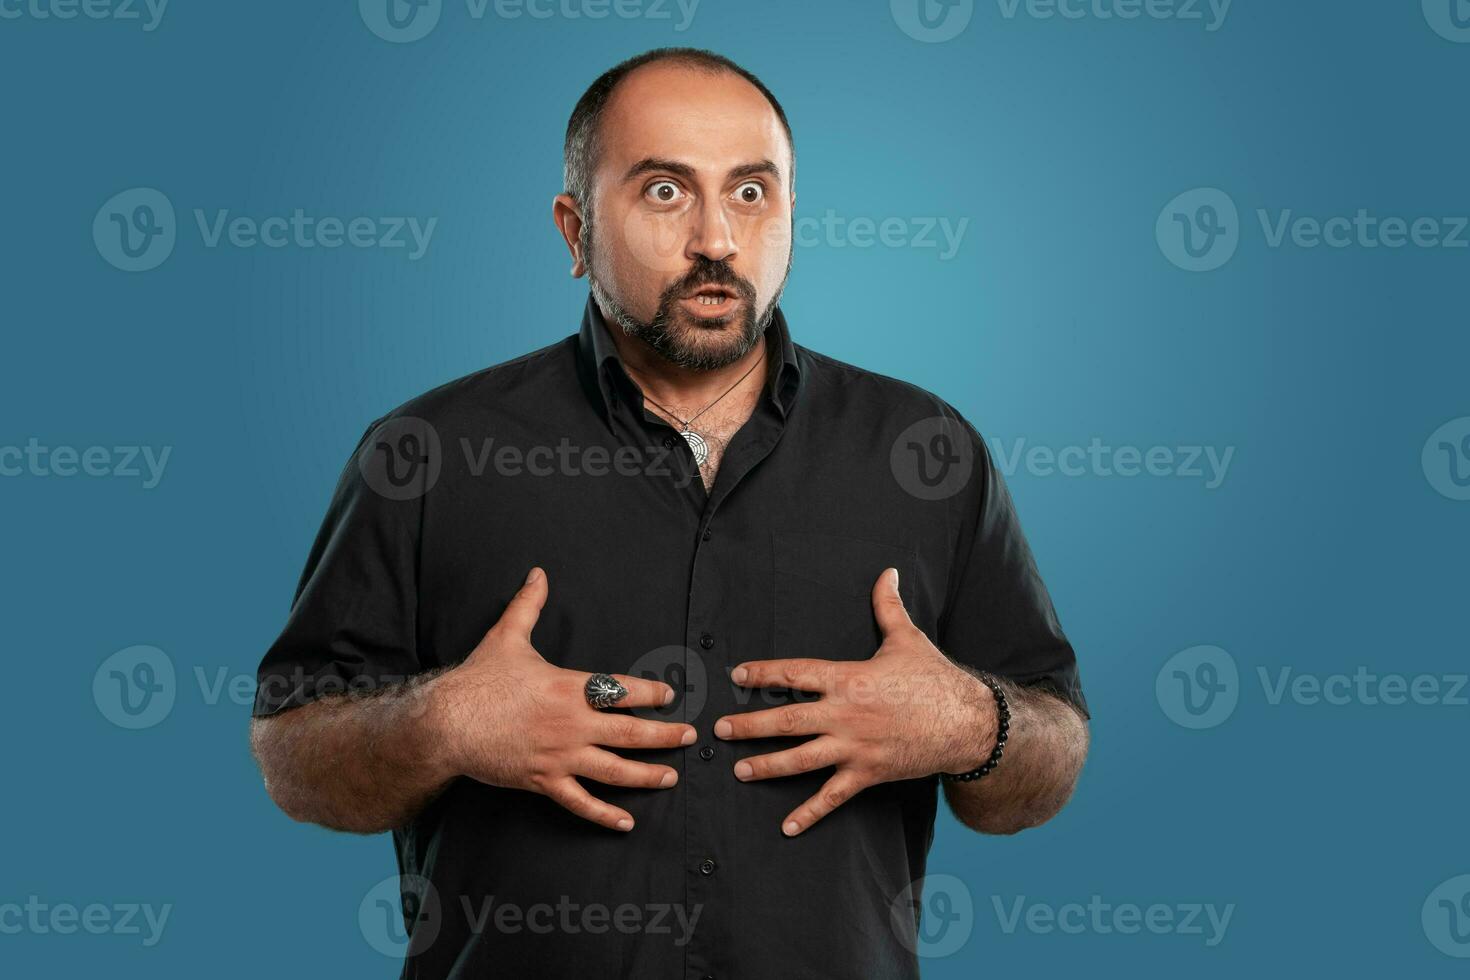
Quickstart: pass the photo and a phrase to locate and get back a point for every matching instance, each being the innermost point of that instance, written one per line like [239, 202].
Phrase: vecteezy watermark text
[405, 21]
[39, 918]
[149, 13]
[568, 459]
[402, 915]
[1207, 463]
[145, 463]
[1209, 13]
[934, 21]
[1102, 918]
[833, 230]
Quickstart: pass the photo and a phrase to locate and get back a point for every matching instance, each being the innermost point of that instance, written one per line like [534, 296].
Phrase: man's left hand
[906, 712]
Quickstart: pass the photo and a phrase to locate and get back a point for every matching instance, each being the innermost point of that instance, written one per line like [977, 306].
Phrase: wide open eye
[751, 192]
[664, 192]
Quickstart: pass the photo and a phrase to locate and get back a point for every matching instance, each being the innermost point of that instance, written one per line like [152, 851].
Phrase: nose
[711, 236]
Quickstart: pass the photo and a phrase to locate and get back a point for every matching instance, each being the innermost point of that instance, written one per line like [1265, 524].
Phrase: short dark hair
[579, 155]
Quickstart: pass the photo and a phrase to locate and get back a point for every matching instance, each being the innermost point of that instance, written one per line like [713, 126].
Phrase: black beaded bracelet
[1003, 726]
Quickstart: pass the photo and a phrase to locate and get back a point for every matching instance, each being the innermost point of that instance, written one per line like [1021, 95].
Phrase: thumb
[888, 604]
[525, 606]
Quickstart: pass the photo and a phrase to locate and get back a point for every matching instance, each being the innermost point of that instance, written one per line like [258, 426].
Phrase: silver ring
[603, 691]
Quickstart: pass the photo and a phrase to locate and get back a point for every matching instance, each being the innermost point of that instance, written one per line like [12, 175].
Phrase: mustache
[711, 272]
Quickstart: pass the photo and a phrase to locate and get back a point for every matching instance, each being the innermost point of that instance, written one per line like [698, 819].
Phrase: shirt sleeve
[352, 622]
[998, 616]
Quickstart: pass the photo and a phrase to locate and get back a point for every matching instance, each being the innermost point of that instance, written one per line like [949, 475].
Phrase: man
[703, 736]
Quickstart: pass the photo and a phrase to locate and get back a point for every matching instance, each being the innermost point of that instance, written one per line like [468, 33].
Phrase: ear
[567, 216]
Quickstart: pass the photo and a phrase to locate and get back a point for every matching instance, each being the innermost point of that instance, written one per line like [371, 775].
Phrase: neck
[682, 388]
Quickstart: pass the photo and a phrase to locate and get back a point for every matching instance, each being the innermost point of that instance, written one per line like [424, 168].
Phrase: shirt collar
[602, 366]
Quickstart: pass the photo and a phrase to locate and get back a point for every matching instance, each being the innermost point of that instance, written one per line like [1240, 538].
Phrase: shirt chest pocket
[824, 593]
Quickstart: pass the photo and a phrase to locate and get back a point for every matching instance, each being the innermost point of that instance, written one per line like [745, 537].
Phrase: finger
[525, 606]
[570, 794]
[614, 770]
[819, 753]
[802, 718]
[842, 787]
[632, 732]
[641, 693]
[797, 673]
[888, 606]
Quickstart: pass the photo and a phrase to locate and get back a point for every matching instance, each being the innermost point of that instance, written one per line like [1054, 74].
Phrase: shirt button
[706, 641]
[705, 536]
[707, 867]
[706, 753]
[668, 442]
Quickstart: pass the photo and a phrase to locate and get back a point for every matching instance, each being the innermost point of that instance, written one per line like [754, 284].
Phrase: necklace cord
[686, 423]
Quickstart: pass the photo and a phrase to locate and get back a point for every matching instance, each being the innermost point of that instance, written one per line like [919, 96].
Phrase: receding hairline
[609, 106]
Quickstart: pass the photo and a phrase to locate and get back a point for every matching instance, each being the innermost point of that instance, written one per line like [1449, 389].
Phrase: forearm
[363, 763]
[1045, 749]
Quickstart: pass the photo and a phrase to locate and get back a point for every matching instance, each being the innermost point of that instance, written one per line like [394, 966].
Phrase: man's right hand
[508, 718]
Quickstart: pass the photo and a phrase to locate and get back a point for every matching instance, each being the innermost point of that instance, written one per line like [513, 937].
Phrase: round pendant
[697, 446]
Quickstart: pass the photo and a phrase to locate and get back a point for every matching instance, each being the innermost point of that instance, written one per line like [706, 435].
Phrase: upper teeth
[707, 299]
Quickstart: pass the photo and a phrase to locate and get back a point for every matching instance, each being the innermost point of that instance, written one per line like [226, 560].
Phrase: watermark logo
[1450, 19]
[933, 458]
[682, 669]
[400, 916]
[402, 458]
[1446, 917]
[1199, 230]
[1198, 687]
[932, 21]
[135, 687]
[400, 21]
[1446, 459]
[135, 230]
[934, 916]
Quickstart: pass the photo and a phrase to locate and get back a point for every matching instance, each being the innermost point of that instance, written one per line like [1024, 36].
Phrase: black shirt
[552, 460]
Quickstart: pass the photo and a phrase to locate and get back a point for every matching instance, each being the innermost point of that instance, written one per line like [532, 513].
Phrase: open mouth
[711, 302]
[712, 295]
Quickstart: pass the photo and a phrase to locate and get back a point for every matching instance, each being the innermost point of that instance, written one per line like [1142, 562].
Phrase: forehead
[709, 120]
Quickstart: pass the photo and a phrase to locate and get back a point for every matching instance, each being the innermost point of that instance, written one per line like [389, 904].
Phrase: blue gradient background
[1060, 319]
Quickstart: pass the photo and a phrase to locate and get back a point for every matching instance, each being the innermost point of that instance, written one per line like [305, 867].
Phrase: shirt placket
[711, 848]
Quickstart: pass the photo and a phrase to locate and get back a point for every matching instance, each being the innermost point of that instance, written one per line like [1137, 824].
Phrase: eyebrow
[661, 165]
